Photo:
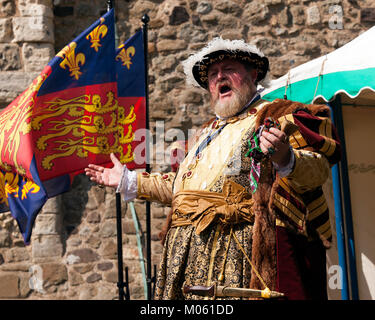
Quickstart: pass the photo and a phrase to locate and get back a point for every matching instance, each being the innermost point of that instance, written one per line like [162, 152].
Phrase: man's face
[231, 86]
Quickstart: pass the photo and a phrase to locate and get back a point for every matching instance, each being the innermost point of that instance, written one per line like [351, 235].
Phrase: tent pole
[343, 213]
[340, 231]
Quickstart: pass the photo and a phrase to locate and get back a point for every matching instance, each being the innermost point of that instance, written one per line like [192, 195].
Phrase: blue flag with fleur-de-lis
[69, 116]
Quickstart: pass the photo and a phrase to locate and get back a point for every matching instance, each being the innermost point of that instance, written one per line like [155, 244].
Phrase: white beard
[234, 105]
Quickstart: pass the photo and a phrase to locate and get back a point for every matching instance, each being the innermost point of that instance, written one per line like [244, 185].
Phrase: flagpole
[120, 266]
[145, 20]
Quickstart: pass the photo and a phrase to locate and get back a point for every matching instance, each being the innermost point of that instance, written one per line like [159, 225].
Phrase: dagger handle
[200, 290]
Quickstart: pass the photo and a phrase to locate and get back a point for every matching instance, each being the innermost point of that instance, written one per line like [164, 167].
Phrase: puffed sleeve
[311, 170]
[155, 187]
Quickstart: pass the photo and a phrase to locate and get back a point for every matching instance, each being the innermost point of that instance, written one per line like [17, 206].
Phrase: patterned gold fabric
[155, 187]
[202, 208]
[191, 259]
[223, 157]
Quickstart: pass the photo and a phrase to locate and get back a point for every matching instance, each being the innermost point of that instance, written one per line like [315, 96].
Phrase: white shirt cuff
[284, 171]
[128, 184]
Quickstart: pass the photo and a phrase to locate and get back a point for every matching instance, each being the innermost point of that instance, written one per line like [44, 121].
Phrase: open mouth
[223, 89]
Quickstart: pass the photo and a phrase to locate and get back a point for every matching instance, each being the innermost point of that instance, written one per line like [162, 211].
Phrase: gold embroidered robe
[201, 258]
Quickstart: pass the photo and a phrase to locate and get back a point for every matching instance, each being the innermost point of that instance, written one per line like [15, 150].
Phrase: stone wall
[73, 250]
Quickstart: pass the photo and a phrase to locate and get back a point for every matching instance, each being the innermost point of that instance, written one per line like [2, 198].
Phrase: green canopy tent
[348, 71]
[345, 80]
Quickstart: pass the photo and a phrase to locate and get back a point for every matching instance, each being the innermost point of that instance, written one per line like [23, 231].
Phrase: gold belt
[201, 208]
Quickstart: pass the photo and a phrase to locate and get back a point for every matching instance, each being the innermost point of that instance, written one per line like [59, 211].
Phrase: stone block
[53, 274]
[140, 7]
[285, 17]
[128, 227]
[6, 31]
[170, 83]
[157, 212]
[36, 56]
[47, 224]
[111, 277]
[107, 293]
[93, 217]
[168, 32]
[9, 286]
[210, 19]
[108, 229]
[313, 16]
[75, 278]
[84, 255]
[156, 24]
[368, 15]
[7, 8]
[52, 205]
[28, 9]
[16, 267]
[192, 35]
[151, 47]
[98, 194]
[5, 239]
[24, 286]
[108, 250]
[131, 253]
[104, 266]
[46, 247]
[94, 241]
[84, 268]
[87, 293]
[171, 45]
[9, 57]
[298, 14]
[92, 203]
[269, 47]
[73, 241]
[196, 20]
[17, 255]
[179, 16]
[12, 83]
[255, 13]
[94, 277]
[204, 7]
[228, 7]
[33, 29]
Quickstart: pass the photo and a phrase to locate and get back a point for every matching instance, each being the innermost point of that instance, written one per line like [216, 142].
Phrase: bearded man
[248, 209]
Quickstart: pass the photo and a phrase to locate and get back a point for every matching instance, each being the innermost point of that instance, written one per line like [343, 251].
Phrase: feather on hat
[196, 66]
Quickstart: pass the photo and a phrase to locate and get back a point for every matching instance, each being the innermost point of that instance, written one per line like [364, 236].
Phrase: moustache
[223, 83]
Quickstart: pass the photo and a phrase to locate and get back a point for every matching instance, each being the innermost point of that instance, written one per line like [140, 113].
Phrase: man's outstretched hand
[105, 176]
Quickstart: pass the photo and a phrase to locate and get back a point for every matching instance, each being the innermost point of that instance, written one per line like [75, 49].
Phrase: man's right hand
[105, 176]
